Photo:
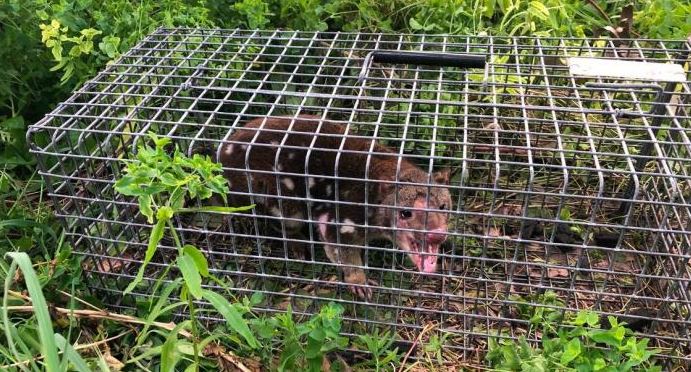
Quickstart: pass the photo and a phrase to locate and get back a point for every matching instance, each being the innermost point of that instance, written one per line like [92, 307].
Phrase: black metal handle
[422, 58]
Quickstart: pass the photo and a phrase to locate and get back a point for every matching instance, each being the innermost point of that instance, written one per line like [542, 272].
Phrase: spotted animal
[356, 189]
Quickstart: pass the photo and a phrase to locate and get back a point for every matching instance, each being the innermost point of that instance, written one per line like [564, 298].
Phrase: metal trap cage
[569, 179]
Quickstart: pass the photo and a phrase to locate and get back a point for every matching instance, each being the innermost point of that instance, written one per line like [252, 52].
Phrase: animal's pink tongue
[429, 264]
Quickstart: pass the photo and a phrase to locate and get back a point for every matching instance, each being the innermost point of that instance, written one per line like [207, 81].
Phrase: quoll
[348, 183]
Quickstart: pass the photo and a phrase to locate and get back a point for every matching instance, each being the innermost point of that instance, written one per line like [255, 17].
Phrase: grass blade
[6, 317]
[71, 354]
[232, 316]
[45, 327]
[156, 236]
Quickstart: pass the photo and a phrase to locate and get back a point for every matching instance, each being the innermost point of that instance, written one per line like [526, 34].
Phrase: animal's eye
[405, 214]
[442, 207]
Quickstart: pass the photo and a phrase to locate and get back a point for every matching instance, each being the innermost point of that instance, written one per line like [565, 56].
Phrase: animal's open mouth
[423, 254]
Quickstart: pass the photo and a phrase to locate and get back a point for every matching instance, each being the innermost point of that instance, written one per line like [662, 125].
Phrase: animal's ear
[442, 176]
[385, 188]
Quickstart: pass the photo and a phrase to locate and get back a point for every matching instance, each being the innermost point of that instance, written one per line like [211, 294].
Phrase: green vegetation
[50, 47]
[577, 345]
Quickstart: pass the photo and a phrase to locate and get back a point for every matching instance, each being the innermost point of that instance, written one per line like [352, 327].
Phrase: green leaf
[45, 326]
[599, 364]
[190, 274]
[257, 298]
[587, 317]
[539, 10]
[145, 207]
[177, 198]
[232, 316]
[414, 24]
[156, 236]
[571, 351]
[611, 337]
[199, 259]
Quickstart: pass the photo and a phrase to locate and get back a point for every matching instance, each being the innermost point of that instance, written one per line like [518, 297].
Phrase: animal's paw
[363, 290]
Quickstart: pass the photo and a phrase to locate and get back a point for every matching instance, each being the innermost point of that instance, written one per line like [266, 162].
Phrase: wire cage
[569, 174]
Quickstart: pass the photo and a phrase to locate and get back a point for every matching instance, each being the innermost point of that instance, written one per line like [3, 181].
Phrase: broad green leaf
[190, 274]
[539, 10]
[571, 351]
[177, 198]
[156, 236]
[256, 299]
[49, 349]
[414, 24]
[610, 337]
[199, 259]
[170, 180]
[232, 316]
[586, 317]
[599, 364]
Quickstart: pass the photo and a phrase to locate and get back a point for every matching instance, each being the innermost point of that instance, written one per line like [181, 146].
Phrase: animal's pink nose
[436, 236]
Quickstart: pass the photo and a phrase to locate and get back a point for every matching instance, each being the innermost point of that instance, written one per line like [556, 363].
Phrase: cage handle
[422, 58]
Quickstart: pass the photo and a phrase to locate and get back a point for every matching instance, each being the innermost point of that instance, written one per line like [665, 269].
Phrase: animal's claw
[363, 292]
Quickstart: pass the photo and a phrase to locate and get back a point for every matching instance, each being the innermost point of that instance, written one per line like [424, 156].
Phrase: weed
[162, 184]
[384, 356]
[302, 345]
[578, 344]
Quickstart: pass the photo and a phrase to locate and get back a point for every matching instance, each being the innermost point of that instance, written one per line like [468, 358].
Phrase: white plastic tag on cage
[600, 67]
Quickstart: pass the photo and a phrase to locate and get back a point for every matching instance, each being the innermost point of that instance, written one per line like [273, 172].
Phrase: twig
[78, 347]
[79, 300]
[599, 9]
[99, 314]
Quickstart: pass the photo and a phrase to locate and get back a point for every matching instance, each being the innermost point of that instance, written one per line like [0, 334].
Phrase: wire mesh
[567, 192]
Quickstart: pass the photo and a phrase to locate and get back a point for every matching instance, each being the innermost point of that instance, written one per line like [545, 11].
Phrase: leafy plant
[579, 345]
[303, 345]
[380, 347]
[161, 184]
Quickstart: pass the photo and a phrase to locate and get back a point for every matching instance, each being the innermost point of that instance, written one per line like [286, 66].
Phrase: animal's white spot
[328, 190]
[348, 226]
[243, 147]
[322, 225]
[291, 155]
[275, 211]
[370, 212]
[229, 149]
[310, 182]
[278, 168]
[275, 143]
[288, 182]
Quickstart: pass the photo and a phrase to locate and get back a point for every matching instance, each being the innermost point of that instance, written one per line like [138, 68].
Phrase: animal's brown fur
[292, 158]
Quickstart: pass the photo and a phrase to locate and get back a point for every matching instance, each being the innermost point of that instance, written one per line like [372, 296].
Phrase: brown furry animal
[307, 163]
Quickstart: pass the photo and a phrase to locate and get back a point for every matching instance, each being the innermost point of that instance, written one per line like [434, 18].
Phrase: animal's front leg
[353, 273]
[345, 255]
